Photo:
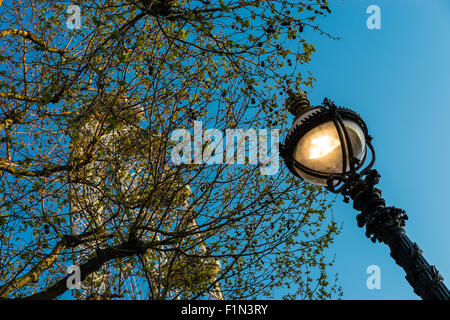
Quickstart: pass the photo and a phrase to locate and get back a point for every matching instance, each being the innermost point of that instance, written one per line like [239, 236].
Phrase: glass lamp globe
[320, 150]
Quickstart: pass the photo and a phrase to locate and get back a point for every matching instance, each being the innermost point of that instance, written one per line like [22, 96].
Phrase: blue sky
[398, 79]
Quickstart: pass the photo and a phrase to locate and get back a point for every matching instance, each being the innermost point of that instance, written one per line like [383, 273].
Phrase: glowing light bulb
[322, 146]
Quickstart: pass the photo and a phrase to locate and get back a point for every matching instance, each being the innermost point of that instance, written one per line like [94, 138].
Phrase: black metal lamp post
[327, 145]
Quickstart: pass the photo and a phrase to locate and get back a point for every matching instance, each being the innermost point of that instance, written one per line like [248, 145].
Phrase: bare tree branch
[31, 37]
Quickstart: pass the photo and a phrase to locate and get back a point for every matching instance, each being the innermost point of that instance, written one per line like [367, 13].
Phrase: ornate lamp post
[327, 145]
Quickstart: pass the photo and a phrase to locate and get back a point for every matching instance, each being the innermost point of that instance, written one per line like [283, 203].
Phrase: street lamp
[327, 145]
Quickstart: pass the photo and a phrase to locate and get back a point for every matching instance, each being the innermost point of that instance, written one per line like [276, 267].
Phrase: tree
[87, 175]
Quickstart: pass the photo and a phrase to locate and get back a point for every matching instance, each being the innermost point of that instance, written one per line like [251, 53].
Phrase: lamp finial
[297, 103]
